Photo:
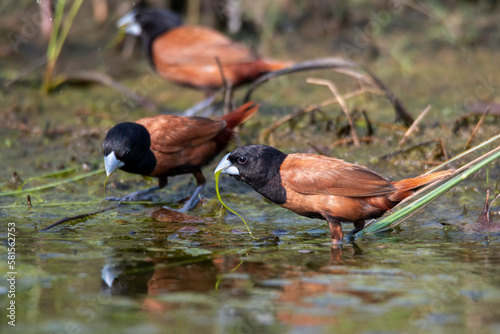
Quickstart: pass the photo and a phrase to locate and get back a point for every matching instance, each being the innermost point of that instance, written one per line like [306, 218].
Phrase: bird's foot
[190, 204]
[349, 237]
[141, 195]
[128, 198]
[336, 243]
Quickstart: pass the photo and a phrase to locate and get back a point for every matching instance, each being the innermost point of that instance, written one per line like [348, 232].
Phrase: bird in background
[317, 186]
[168, 145]
[186, 54]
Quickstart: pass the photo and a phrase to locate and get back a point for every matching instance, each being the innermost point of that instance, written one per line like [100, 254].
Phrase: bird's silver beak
[111, 163]
[130, 24]
[226, 167]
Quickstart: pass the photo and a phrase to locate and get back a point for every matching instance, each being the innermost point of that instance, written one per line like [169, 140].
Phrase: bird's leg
[191, 203]
[200, 182]
[135, 196]
[202, 105]
[336, 230]
[194, 199]
[358, 226]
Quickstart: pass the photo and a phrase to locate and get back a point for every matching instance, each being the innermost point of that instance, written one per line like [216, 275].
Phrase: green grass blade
[66, 26]
[49, 175]
[52, 185]
[484, 143]
[56, 26]
[421, 202]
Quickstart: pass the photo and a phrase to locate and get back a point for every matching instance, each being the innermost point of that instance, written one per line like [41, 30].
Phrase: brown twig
[406, 150]
[342, 104]
[361, 77]
[347, 141]
[478, 125]
[94, 76]
[228, 89]
[369, 127]
[221, 71]
[335, 64]
[463, 120]
[304, 110]
[66, 219]
[413, 127]
[446, 156]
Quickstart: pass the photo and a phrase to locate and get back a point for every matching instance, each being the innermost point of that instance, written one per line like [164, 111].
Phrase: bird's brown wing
[170, 134]
[198, 45]
[314, 175]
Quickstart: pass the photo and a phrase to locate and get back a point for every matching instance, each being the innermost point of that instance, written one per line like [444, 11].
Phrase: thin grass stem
[52, 185]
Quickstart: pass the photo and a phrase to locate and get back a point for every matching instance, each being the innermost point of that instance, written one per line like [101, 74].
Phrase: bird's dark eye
[242, 159]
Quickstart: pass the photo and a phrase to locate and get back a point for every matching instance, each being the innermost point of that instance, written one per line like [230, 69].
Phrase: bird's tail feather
[275, 65]
[407, 186]
[240, 114]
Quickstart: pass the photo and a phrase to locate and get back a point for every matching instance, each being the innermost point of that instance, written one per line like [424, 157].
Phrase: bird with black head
[168, 145]
[318, 186]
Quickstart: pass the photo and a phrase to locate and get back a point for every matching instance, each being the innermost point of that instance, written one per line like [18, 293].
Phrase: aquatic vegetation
[60, 31]
[139, 267]
[217, 175]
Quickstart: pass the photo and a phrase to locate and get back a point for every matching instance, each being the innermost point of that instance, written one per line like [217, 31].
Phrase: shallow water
[123, 271]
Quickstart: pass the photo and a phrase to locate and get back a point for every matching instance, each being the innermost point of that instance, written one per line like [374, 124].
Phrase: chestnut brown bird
[168, 145]
[318, 186]
[186, 54]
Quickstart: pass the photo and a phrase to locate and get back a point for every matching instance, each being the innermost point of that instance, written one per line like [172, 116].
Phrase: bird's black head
[149, 23]
[128, 146]
[155, 22]
[259, 167]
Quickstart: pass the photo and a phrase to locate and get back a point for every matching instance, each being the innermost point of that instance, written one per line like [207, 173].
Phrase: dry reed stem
[104, 79]
[413, 127]
[478, 125]
[390, 155]
[304, 110]
[342, 104]
[228, 89]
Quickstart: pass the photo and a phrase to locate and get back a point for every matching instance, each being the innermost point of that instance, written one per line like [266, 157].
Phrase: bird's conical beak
[130, 24]
[111, 163]
[226, 167]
